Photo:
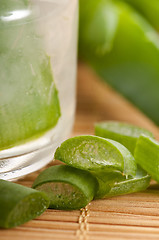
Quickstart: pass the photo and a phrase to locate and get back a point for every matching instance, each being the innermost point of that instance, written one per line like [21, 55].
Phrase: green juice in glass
[37, 81]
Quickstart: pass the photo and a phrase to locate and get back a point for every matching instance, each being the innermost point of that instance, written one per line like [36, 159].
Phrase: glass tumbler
[38, 53]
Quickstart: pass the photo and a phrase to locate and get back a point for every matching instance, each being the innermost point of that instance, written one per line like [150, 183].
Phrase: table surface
[134, 216]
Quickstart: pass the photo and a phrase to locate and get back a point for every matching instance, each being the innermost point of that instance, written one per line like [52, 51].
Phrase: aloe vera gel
[37, 81]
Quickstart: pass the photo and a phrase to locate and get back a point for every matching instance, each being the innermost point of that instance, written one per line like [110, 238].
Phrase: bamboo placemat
[134, 216]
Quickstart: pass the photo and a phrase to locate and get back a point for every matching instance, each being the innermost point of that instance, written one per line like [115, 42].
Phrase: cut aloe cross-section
[96, 154]
[19, 204]
[125, 133]
[104, 158]
[29, 103]
[67, 187]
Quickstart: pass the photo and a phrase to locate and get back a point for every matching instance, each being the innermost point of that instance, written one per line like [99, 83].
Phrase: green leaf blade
[147, 155]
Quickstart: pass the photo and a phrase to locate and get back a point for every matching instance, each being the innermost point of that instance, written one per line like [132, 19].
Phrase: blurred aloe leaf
[123, 48]
[149, 9]
[29, 103]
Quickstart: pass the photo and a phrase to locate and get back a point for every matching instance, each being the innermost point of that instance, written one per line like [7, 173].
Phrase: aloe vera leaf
[127, 135]
[29, 103]
[94, 153]
[104, 158]
[93, 37]
[67, 187]
[19, 204]
[106, 181]
[139, 183]
[149, 9]
[147, 155]
[124, 133]
[130, 64]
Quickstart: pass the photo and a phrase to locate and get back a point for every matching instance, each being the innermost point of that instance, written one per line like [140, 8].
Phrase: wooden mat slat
[134, 216]
[57, 216]
[25, 234]
[119, 235]
[52, 225]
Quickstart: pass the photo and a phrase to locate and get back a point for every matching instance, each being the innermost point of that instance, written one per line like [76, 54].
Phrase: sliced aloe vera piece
[121, 132]
[139, 183]
[147, 155]
[96, 154]
[29, 100]
[106, 181]
[102, 157]
[67, 187]
[19, 204]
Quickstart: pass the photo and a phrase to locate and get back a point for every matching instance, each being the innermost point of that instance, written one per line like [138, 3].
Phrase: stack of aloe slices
[95, 167]
[108, 158]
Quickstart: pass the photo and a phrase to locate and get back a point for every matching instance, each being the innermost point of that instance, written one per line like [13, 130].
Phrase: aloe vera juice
[38, 42]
